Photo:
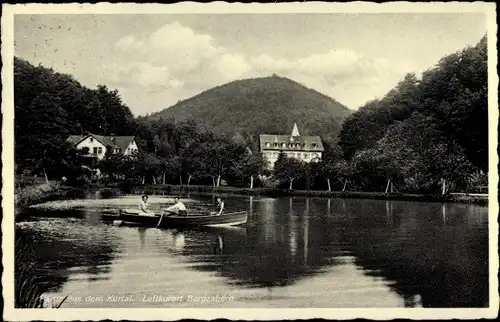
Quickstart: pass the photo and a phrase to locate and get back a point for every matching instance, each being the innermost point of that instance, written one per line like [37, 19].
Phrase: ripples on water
[294, 252]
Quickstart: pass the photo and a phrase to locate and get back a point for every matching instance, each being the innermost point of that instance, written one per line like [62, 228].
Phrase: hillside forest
[261, 105]
[420, 134]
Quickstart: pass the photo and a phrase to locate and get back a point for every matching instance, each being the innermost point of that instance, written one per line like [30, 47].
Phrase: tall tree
[288, 170]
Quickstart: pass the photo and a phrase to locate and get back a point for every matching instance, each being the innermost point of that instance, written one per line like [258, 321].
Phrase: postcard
[249, 161]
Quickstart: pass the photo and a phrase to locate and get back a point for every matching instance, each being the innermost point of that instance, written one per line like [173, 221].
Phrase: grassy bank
[32, 194]
[176, 189]
[28, 195]
[28, 290]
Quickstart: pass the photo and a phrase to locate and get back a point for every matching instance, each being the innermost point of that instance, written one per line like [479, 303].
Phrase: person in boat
[178, 208]
[143, 206]
[220, 207]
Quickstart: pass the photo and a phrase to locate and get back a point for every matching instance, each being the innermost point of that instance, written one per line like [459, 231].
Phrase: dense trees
[49, 106]
[186, 152]
[425, 131]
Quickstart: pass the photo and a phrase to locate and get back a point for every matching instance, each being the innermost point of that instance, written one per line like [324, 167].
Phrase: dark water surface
[295, 252]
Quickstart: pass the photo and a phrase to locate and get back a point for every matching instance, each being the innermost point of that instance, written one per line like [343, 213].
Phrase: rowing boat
[170, 220]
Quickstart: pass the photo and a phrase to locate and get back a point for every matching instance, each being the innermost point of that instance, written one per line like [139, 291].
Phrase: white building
[304, 148]
[98, 145]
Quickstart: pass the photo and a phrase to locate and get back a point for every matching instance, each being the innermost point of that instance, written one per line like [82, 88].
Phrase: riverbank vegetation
[428, 135]
[28, 290]
[35, 193]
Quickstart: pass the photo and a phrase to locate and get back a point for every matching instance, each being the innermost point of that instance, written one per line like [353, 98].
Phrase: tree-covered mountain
[261, 105]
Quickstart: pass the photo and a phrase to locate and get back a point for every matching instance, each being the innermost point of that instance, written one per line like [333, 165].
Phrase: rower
[143, 206]
[178, 208]
[220, 207]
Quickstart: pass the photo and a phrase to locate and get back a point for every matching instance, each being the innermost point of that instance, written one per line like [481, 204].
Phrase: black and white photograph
[335, 157]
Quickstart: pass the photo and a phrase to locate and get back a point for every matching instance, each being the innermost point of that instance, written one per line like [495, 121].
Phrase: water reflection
[67, 250]
[428, 257]
[142, 236]
[294, 252]
[219, 244]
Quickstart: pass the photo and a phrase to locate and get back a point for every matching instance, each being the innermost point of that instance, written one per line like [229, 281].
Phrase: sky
[156, 60]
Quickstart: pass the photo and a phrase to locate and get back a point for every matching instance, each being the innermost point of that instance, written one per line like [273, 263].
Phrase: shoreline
[31, 195]
[34, 194]
[270, 192]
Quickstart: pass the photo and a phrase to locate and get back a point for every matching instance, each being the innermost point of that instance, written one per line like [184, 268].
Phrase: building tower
[295, 130]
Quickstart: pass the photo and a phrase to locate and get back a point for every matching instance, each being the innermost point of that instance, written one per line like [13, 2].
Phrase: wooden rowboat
[168, 220]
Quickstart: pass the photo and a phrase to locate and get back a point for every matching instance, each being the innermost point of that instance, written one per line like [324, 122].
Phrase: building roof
[122, 142]
[305, 143]
[116, 141]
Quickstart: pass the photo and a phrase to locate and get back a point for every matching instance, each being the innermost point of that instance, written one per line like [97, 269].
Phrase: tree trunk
[154, 180]
[443, 190]
[180, 179]
[218, 180]
[163, 177]
[392, 186]
[213, 181]
[345, 185]
[143, 179]
[189, 179]
[45, 175]
[388, 185]
[329, 186]
[291, 182]
[251, 182]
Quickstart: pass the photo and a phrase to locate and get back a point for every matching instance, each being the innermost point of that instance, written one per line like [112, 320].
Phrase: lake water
[294, 252]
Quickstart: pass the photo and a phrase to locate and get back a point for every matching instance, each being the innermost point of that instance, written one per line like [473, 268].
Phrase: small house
[99, 145]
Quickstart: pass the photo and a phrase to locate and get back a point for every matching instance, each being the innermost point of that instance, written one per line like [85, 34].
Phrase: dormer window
[283, 145]
[275, 145]
[268, 144]
[117, 150]
[91, 140]
[314, 145]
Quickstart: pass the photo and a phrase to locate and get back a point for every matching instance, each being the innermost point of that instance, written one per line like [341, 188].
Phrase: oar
[118, 222]
[159, 221]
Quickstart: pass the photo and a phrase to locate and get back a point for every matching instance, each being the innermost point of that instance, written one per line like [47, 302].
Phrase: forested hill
[261, 105]
[426, 129]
